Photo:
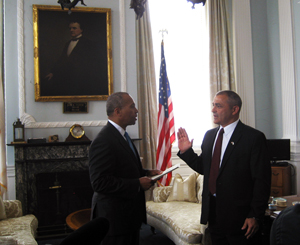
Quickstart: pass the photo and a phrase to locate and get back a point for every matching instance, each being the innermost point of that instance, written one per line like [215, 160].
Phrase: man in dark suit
[80, 70]
[235, 200]
[117, 176]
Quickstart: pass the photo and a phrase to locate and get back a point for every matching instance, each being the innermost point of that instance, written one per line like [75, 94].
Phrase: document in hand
[168, 170]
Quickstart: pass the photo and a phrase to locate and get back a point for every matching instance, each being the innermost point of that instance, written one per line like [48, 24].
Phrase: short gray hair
[114, 101]
[233, 98]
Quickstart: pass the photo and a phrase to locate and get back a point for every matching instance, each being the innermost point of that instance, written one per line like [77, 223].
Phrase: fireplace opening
[60, 194]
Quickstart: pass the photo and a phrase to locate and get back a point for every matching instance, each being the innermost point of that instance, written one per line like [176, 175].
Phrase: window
[187, 62]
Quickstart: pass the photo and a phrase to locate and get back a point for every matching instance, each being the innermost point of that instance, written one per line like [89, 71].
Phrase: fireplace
[61, 193]
[52, 180]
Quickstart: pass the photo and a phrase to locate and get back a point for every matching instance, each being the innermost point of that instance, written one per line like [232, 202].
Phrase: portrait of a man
[73, 55]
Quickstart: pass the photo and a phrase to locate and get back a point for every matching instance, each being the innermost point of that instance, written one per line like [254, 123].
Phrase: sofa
[175, 210]
[14, 227]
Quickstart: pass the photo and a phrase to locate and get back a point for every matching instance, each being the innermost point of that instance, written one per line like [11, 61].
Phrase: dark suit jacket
[83, 72]
[115, 172]
[244, 180]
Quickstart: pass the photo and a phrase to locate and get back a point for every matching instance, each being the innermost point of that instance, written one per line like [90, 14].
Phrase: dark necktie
[129, 142]
[215, 163]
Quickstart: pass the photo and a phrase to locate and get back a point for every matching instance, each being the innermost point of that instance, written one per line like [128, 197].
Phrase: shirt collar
[79, 36]
[118, 127]
[230, 128]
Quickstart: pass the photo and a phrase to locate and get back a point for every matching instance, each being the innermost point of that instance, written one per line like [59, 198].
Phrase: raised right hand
[183, 140]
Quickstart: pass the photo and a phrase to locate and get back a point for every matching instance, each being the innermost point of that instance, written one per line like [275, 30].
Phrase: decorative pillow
[161, 194]
[183, 190]
[2, 209]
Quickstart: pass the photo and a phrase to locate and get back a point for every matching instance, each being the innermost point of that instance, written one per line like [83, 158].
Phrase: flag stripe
[165, 124]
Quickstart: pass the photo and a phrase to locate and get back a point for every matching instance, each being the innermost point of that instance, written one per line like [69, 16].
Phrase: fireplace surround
[52, 179]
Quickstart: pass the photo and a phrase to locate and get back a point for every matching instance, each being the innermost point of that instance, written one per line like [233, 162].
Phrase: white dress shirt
[119, 128]
[72, 45]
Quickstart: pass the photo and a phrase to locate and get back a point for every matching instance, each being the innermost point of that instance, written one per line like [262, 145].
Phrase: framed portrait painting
[72, 53]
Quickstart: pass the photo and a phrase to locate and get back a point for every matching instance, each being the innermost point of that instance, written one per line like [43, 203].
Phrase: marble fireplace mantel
[33, 159]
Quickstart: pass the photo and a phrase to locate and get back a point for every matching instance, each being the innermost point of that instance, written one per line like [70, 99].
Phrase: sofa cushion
[2, 209]
[182, 217]
[183, 190]
[22, 229]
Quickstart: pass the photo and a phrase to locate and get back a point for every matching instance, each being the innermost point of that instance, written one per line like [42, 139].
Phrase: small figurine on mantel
[53, 138]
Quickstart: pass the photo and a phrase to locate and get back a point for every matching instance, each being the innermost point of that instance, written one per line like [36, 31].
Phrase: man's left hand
[251, 225]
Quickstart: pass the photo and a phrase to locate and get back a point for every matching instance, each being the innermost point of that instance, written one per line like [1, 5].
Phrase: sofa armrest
[161, 194]
[13, 208]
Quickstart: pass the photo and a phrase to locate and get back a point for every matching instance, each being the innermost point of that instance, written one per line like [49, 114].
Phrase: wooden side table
[271, 215]
[79, 218]
[281, 181]
[289, 202]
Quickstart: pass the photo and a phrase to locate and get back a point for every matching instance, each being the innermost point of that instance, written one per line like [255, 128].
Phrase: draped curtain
[221, 72]
[220, 56]
[3, 174]
[146, 84]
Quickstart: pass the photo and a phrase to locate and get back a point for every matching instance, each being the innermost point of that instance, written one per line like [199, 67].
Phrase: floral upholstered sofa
[175, 211]
[14, 227]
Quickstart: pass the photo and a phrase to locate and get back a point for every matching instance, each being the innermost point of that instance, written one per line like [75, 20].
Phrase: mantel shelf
[51, 144]
[58, 143]
[53, 160]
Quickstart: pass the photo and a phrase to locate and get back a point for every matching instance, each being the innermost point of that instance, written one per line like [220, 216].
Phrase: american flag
[165, 126]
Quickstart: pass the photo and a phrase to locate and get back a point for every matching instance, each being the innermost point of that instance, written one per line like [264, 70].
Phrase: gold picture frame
[85, 74]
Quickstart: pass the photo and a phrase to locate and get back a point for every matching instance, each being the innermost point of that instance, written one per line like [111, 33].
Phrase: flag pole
[165, 125]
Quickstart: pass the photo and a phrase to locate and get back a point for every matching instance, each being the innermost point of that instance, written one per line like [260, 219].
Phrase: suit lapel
[123, 142]
[237, 134]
